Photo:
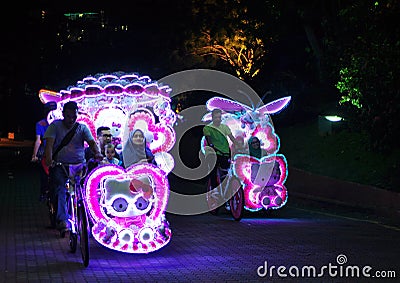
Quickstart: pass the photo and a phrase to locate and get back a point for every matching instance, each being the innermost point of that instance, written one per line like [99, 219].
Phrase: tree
[369, 68]
[231, 31]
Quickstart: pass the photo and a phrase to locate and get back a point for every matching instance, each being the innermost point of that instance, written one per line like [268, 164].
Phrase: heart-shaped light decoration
[273, 186]
[127, 207]
[164, 135]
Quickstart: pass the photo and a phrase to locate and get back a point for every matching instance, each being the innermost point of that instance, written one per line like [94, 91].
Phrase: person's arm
[36, 148]
[232, 138]
[209, 141]
[49, 151]
[206, 133]
[95, 149]
[149, 155]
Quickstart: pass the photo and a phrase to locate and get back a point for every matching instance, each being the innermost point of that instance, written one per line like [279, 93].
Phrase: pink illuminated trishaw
[126, 205]
[251, 183]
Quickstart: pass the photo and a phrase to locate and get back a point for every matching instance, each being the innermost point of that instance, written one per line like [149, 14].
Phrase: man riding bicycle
[65, 144]
[216, 134]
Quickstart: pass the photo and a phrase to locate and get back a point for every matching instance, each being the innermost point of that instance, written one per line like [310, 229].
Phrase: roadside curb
[316, 187]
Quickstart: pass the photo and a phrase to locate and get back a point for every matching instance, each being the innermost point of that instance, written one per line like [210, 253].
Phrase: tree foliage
[231, 31]
[369, 68]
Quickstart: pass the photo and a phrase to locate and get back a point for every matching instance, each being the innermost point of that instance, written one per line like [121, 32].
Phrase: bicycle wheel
[212, 199]
[73, 242]
[83, 233]
[69, 210]
[237, 204]
[52, 212]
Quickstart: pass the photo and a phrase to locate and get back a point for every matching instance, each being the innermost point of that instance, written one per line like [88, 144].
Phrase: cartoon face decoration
[116, 129]
[127, 207]
[114, 118]
[128, 198]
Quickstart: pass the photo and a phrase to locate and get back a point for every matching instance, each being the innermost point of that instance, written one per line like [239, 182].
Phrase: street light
[325, 123]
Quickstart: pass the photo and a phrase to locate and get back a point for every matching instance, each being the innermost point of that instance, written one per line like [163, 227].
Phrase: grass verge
[343, 155]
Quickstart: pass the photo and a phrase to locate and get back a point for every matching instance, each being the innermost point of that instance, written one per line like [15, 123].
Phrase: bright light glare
[334, 118]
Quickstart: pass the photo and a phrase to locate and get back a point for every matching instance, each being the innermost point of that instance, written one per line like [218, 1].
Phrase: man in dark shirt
[104, 137]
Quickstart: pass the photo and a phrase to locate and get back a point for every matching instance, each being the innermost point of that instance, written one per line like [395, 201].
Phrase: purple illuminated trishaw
[252, 183]
[126, 205]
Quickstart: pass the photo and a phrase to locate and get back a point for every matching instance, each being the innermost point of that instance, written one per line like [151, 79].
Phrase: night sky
[155, 29]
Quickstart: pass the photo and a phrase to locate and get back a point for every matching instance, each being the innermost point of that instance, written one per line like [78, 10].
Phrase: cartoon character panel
[127, 207]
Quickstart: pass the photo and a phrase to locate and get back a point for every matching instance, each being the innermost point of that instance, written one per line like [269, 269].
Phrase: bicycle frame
[76, 208]
[226, 192]
[74, 190]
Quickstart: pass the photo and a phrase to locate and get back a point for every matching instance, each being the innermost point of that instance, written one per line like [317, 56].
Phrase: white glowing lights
[333, 118]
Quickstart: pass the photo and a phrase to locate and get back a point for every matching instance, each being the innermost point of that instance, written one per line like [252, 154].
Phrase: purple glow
[134, 230]
[274, 186]
[226, 105]
[109, 85]
[275, 106]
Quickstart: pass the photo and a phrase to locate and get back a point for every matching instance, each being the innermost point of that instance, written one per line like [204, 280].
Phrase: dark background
[312, 41]
[32, 34]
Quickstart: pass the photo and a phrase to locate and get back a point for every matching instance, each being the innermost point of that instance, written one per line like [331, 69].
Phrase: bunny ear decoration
[226, 105]
[275, 106]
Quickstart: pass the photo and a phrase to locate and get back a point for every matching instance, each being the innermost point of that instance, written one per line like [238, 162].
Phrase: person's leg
[58, 179]
[224, 164]
[212, 170]
[44, 183]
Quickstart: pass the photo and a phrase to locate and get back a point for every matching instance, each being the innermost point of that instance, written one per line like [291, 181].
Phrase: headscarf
[255, 152]
[132, 153]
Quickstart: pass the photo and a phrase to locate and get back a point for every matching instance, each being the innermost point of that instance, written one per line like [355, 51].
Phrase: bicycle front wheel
[212, 199]
[83, 233]
[237, 204]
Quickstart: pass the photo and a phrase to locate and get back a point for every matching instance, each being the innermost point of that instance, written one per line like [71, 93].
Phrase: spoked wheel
[73, 241]
[237, 204]
[212, 199]
[52, 213]
[83, 233]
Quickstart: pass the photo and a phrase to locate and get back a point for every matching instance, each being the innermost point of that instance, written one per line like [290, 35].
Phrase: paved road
[203, 248]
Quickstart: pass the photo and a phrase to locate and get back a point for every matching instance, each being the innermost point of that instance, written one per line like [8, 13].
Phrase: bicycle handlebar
[73, 169]
[222, 153]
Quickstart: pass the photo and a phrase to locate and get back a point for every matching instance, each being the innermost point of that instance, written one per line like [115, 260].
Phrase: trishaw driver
[70, 153]
[216, 134]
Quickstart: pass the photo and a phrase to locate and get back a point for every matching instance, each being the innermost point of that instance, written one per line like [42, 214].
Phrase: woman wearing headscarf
[135, 149]
[255, 150]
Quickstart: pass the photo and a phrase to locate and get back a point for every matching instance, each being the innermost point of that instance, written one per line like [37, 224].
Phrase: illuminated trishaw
[126, 205]
[251, 183]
